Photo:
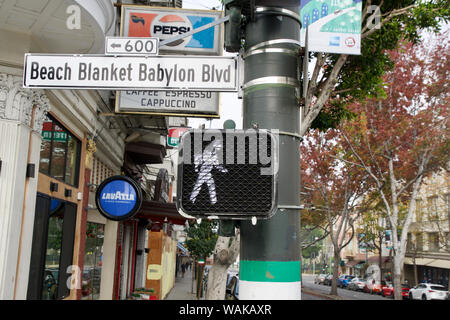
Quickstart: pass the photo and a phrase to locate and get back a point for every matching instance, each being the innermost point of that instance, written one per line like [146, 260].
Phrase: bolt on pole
[270, 266]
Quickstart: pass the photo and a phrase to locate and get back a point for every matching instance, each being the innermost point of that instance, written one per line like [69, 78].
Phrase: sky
[230, 105]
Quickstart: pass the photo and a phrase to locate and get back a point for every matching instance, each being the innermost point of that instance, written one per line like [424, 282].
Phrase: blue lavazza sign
[118, 198]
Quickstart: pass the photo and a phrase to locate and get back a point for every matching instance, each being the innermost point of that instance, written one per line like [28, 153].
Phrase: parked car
[379, 288]
[328, 280]
[343, 280]
[389, 291]
[428, 291]
[373, 286]
[232, 289]
[319, 279]
[357, 284]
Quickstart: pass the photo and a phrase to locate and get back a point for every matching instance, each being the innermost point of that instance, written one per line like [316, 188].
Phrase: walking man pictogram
[204, 164]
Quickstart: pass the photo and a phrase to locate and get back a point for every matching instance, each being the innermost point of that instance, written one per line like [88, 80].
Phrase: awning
[180, 246]
[376, 259]
[353, 263]
[161, 212]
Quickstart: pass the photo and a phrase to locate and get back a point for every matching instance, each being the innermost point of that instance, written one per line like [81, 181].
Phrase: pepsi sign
[118, 198]
[165, 23]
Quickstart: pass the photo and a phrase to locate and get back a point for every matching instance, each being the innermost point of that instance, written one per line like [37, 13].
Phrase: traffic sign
[227, 174]
[194, 73]
[131, 46]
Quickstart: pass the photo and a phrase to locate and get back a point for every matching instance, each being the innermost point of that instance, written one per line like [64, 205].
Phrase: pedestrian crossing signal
[227, 174]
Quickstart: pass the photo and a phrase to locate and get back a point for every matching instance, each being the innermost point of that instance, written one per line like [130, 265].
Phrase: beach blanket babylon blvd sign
[121, 73]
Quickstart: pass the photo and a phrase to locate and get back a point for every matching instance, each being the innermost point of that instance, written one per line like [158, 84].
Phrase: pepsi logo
[350, 42]
[170, 25]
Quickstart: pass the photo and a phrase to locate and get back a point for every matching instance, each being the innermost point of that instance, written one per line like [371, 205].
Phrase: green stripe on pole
[270, 271]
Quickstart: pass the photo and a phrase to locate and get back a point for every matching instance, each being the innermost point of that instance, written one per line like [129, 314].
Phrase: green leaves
[202, 238]
[362, 76]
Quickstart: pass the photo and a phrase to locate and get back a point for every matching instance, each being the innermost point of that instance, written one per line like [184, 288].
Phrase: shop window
[60, 152]
[93, 261]
[52, 249]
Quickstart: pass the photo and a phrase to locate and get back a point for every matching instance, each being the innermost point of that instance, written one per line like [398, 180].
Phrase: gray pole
[270, 265]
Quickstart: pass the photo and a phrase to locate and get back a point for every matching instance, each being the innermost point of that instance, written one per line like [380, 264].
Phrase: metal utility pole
[270, 265]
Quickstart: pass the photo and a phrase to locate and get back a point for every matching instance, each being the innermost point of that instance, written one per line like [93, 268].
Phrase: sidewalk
[182, 288]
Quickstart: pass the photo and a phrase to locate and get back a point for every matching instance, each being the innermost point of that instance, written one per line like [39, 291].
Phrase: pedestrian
[183, 269]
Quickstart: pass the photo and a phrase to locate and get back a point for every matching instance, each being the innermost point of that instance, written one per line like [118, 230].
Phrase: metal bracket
[283, 207]
[272, 80]
[295, 135]
[274, 42]
[269, 50]
[279, 11]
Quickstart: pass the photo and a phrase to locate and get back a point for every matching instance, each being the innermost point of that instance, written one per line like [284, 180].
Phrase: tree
[401, 139]
[200, 243]
[340, 79]
[336, 189]
[225, 253]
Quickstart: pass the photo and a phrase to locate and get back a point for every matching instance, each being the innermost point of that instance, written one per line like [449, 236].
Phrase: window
[433, 239]
[418, 210]
[60, 152]
[419, 242]
[432, 206]
[409, 243]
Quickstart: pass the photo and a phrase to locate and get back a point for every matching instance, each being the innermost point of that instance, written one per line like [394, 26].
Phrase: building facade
[56, 147]
[428, 247]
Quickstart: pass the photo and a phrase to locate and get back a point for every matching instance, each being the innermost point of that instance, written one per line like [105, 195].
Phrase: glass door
[93, 261]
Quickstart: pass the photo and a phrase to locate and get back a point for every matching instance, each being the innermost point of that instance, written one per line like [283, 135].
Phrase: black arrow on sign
[116, 45]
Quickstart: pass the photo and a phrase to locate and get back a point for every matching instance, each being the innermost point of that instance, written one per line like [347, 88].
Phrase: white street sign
[131, 46]
[194, 73]
[181, 103]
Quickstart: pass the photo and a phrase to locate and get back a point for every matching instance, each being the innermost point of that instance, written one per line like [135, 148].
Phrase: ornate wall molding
[16, 102]
[42, 106]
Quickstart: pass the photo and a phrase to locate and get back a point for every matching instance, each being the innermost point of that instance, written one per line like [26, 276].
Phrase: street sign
[227, 174]
[173, 137]
[131, 46]
[194, 73]
[165, 23]
[333, 26]
[172, 103]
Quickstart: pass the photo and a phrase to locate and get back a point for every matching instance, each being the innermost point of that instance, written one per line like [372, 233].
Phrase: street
[308, 282]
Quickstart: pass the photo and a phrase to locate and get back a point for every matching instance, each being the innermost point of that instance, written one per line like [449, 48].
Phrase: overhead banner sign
[333, 26]
[165, 23]
[59, 71]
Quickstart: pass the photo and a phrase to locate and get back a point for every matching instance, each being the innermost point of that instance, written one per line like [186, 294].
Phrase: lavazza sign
[121, 73]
